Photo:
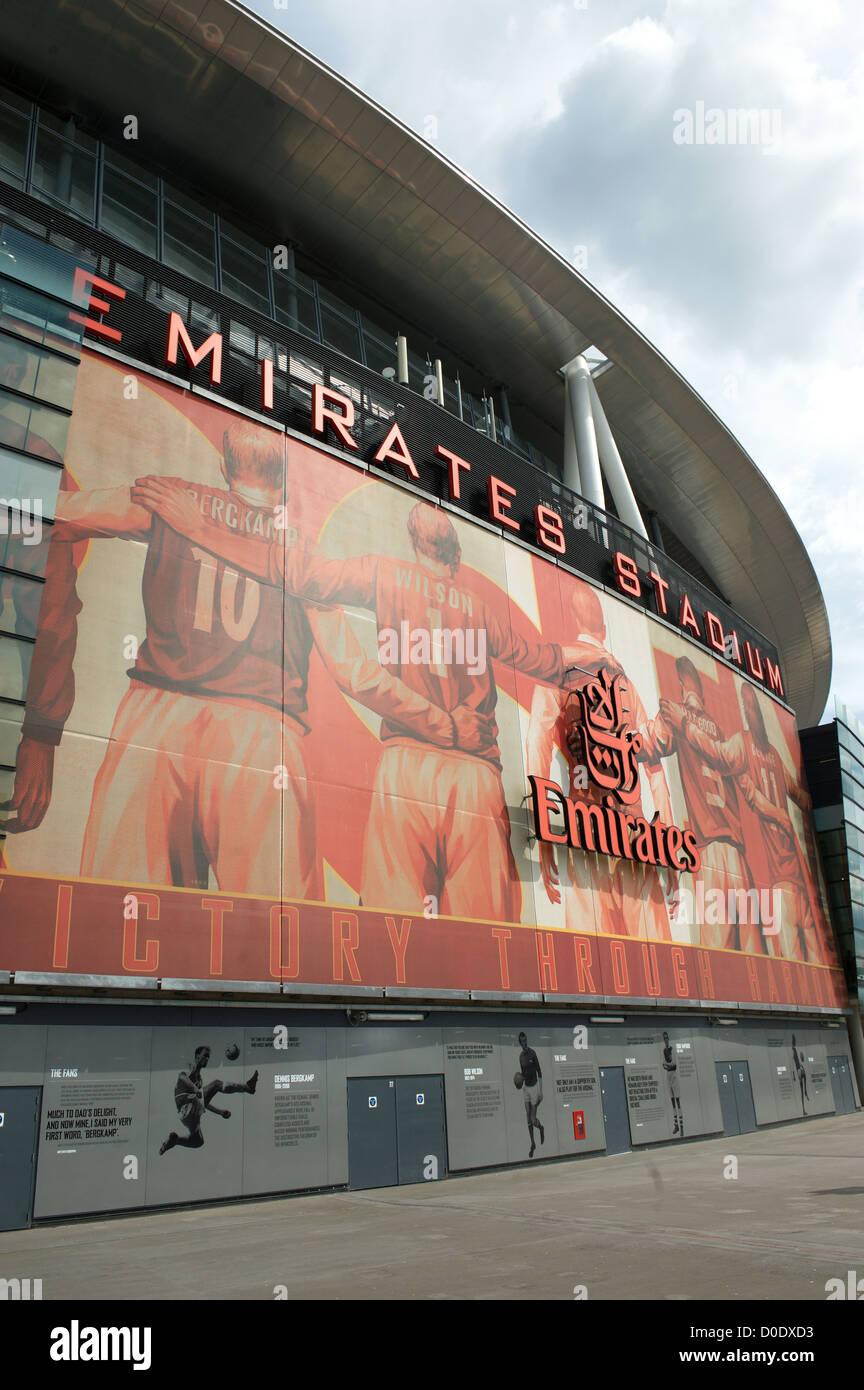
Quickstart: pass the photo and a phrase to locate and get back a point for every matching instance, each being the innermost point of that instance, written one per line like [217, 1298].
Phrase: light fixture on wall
[355, 1016]
[608, 1018]
[722, 1022]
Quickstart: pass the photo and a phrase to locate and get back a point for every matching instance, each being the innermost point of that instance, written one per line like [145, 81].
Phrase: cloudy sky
[743, 263]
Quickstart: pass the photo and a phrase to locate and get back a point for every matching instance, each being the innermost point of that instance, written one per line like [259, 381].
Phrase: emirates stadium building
[399, 663]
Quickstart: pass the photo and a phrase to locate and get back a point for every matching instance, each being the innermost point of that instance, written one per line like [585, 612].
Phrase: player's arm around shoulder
[100, 512]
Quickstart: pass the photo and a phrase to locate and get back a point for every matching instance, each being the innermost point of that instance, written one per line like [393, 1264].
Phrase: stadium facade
[399, 664]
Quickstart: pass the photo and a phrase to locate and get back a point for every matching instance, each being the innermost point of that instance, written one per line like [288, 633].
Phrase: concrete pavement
[662, 1224]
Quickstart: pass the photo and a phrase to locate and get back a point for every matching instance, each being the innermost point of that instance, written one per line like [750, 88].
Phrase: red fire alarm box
[579, 1124]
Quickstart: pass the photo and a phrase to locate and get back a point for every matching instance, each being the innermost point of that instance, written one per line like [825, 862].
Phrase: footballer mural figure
[686, 729]
[670, 1066]
[800, 1073]
[217, 698]
[48, 612]
[765, 784]
[529, 1080]
[192, 1096]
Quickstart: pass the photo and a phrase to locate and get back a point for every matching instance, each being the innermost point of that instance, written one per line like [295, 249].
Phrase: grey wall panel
[337, 1106]
[392, 1049]
[794, 1100]
[285, 1125]
[706, 1078]
[476, 1092]
[649, 1085]
[93, 1140]
[22, 1053]
[576, 1088]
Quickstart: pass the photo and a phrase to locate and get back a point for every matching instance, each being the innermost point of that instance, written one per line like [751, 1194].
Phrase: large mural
[288, 721]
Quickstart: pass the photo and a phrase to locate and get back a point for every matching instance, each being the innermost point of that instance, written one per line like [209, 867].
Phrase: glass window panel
[40, 319]
[18, 553]
[295, 306]
[114, 160]
[380, 352]
[129, 211]
[22, 477]
[130, 279]
[189, 246]
[242, 338]
[7, 785]
[13, 140]
[304, 370]
[202, 316]
[346, 388]
[13, 99]
[19, 603]
[332, 301]
[303, 277]
[37, 372]
[11, 717]
[340, 333]
[76, 250]
[163, 297]
[35, 429]
[68, 129]
[848, 740]
[15, 658]
[381, 407]
[244, 276]
[27, 224]
[65, 174]
[41, 266]
[181, 200]
[247, 243]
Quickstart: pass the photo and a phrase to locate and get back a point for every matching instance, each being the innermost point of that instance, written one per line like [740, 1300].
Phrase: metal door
[841, 1084]
[19, 1132]
[726, 1090]
[372, 1160]
[743, 1097]
[421, 1134]
[616, 1117]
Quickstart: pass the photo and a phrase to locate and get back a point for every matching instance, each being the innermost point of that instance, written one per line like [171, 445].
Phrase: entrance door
[421, 1135]
[744, 1097]
[616, 1118]
[736, 1097]
[372, 1132]
[726, 1090]
[19, 1130]
[396, 1130]
[841, 1084]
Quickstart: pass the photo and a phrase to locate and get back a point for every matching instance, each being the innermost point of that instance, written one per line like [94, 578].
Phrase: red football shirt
[214, 631]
